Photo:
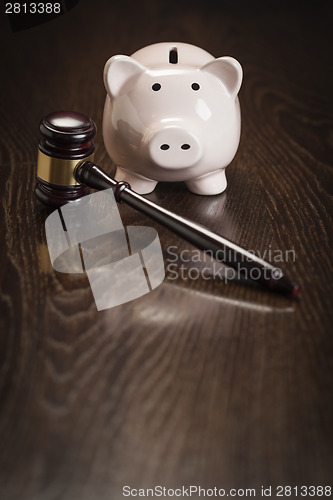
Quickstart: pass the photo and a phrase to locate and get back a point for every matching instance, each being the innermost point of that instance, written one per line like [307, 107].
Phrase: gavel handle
[223, 250]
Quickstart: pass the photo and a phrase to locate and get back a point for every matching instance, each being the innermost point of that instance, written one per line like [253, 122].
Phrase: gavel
[66, 171]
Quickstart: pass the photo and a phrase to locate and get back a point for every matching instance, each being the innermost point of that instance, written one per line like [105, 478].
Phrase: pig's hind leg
[208, 184]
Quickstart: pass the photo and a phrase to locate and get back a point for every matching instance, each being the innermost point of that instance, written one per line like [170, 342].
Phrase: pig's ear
[229, 71]
[118, 70]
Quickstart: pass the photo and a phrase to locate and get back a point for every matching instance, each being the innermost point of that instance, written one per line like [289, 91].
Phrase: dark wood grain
[199, 382]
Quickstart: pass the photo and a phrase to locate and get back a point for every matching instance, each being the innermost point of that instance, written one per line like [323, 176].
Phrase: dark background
[199, 382]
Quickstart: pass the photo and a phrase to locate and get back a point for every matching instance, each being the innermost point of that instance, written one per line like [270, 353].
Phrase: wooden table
[201, 382]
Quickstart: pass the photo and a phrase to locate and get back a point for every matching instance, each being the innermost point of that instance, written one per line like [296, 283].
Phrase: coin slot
[173, 56]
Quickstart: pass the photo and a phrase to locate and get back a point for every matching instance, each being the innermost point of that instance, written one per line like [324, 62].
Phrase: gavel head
[66, 140]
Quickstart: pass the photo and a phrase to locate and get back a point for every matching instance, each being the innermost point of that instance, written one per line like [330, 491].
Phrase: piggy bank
[172, 114]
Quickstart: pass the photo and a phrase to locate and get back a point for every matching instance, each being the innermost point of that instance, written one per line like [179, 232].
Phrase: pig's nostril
[185, 146]
[165, 146]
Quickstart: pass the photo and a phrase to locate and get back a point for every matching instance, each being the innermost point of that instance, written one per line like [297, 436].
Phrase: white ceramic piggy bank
[172, 114]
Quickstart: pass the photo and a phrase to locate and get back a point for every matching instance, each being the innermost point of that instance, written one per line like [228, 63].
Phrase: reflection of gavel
[65, 170]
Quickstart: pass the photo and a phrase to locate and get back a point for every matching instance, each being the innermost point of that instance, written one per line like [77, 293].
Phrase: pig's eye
[156, 87]
[195, 86]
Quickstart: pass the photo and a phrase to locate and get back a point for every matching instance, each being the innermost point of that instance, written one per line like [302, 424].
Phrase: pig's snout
[174, 147]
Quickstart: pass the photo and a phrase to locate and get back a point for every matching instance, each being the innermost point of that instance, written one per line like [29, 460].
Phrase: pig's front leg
[209, 184]
[138, 183]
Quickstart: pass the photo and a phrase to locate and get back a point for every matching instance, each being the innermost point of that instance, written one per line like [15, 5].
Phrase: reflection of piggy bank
[172, 114]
